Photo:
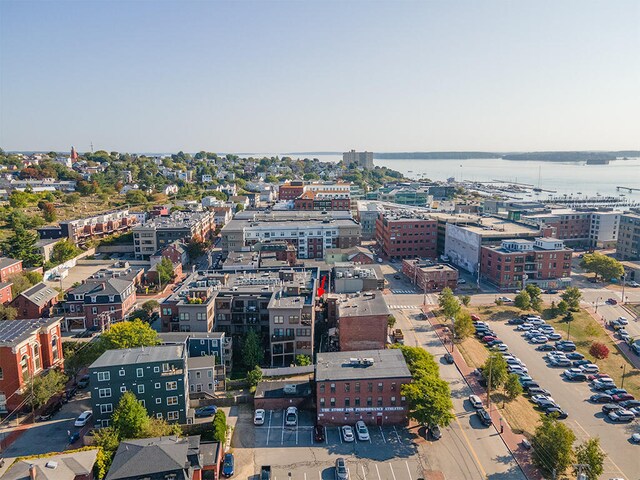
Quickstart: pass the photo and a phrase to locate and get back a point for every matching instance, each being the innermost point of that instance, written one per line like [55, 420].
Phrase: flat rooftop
[130, 356]
[347, 365]
[498, 227]
[288, 218]
[362, 304]
[276, 389]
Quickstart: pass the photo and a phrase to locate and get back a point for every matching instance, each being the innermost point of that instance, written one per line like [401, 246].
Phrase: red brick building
[362, 321]
[545, 262]
[8, 267]
[323, 201]
[291, 190]
[27, 348]
[36, 302]
[429, 277]
[406, 235]
[5, 293]
[361, 385]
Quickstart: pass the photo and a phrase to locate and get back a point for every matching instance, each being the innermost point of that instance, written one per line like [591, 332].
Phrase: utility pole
[624, 278]
[624, 370]
[489, 385]
[580, 470]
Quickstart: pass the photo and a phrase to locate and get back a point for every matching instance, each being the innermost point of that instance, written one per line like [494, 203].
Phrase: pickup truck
[398, 336]
[265, 472]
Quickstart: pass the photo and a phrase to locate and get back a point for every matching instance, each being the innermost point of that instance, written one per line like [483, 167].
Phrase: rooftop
[361, 364]
[63, 466]
[283, 389]
[130, 356]
[362, 304]
[40, 294]
[181, 337]
[14, 332]
[204, 361]
[288, 218]
[176, 220]
[7, 262]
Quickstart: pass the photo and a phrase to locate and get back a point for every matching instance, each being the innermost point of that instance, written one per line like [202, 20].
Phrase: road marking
[282, 436]
[394, 429]
[408, 470]
[382, 433]
[378, 471]
[473, 452]
[297, 434]
[394, 475]
[364, 474]
[326, 437]
[348, 473]
[340, 434]
[305, 475]
[269, 427]
[607, 456]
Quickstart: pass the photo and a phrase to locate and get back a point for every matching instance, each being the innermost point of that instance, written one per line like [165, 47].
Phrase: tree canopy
[552, 446]
[463, 325]
[603, 266]
[449, 303]
[572, 296]
[45, 386]
[589, 453]
[252, 352]
[495, 370]
[129, 335]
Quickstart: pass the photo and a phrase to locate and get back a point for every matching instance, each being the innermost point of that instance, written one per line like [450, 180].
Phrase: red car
[612, 301]
[475, 318]
[622, 397]
[595, 376]
[488, 338]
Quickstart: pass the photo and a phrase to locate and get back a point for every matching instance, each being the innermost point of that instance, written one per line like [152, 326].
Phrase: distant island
[435, 155]
[589, 157]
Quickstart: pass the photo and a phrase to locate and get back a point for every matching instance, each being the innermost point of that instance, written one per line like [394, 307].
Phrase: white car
[623, 321]
[505, 299]
[258, 417]
[590, 368]
[291, 417]
[347, 433]
[82, 420]
[475, 401]
[538, 398]
[362, 431]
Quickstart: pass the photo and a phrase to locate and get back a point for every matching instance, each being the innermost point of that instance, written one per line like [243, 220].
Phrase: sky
[300, 76]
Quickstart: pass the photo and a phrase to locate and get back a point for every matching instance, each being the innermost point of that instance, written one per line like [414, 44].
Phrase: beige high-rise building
[362, 159]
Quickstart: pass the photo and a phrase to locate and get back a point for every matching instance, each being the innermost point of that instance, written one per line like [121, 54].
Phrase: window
[357, 402]
[369, 387]
[278, 319]
[322, 388]
[121, 372]
[393, 386]
[94, 310]
[347, 402]
[201, 316]
[1, 374]
[143, 403]
[380, 386]
[294, 319]
[24, 366]
[54, 348]
[158, 401]
[157, 385]
[106, 408]
[159, 416]
[172, 385]
[104, 392]
[369, 401]
[357, 390]
[123, 389]
[140, 388]
[184, 316]
[172, 400]
[165, 367]
[322, 402]
[112, 298]
[139, 372]
[379, 401]
[332, 401]
[333, 388]
[104, 376]
[172, 416]
[393, 401]
[156, 369]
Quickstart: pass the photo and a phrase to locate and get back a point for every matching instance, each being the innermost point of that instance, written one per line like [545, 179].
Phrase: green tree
[603, 266]
[563, 307]
[78, 356]
[45, 386]
[449, 304]
[552, 446]
[64, 250]
[463, 325]
[523, 300]
[466, 300]
[150, 306]
[419, 361]
[495, 370]
[8, 313]
[20, 282]
[252, 352]
[303, 360]
[72, 198]
[589, 453]
[254, 377]
[129, 335]
[499, 302]
[512, 387]
[391, 321]
[19, 199]
[136, 197]
[429, 401]
[130, 418]
[239, 207]
[108, 441]
[22, 245]
[33, 276]
[159, 427]
[533, 290]
[572, 296]
[197, 247]
[536, 303]
[165, 270]
[220, 427]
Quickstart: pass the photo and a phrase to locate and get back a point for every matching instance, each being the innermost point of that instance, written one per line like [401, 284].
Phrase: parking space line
[364, 474]
[394, 429]
[269, 427]
[394, 475]
[297, 435]
[382, 433]
[378, 471]
[340, 434]
[282, 436]
[408, 470]
[348, 473]
[326, 437]
[305, 475]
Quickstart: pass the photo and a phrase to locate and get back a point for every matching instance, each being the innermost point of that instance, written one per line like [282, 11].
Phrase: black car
[484, 417]
[630, 404]
[546, 348]
[318, 434]
[516, 321]
[611, 407]
[576, 377]
[50, 411]
[561, 414]
[435, 432]
[530, 384]
[601, 398]
[83, 382]
[448, 358]
[551, 291]
[566, 347]
[71, 392]
[575, 356]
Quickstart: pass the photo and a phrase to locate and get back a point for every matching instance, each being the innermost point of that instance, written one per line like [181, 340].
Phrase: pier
[628, 189]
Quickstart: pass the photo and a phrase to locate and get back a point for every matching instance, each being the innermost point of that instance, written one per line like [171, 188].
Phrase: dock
[628, 189]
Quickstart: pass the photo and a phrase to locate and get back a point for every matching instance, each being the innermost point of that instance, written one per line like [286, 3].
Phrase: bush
[599, 350]
[220, 427]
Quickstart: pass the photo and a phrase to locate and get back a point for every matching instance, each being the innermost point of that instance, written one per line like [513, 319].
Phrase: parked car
[561, 414]
[48, 413]
[484, 416]
[537, 399]
[291, 417]
[259, 416]
[602, 384]
[630, 404]
[621, 397]
[347, 433]
[228, 465]
[575, 356]
[318, 434]
[612, 301]
[601, 398]
[475, 401]
[540, 339]
[576, 377]
[547, 404]
[82, 420]
[545, 348]
[342, 473]
[524, 327]
[551, 291]
[621, 416]
[537, 391]
[616, 391]
[623, 321]
[516, 321]
[435, 432]
[84, 382]
[590, 368]
[502, 347]
[475, 317]
[635, 438]
[554, 336]
[207, 411]
[505, 299]
[448, 357]
[611, 407]
[362, 431]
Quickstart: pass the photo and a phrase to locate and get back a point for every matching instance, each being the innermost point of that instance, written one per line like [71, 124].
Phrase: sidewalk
[512, 440]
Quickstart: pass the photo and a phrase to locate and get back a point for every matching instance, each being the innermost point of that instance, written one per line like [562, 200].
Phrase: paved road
[585, 419]
[475, 451]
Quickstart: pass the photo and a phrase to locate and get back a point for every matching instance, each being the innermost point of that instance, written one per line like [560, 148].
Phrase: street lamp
[597, 302]
[624, 370]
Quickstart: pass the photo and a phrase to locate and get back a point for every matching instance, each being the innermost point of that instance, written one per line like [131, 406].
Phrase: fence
[68, 264]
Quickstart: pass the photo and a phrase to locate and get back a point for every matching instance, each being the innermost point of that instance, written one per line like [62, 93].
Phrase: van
[291, 417]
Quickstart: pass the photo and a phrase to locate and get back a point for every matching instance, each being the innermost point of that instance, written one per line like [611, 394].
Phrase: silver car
[342, 473]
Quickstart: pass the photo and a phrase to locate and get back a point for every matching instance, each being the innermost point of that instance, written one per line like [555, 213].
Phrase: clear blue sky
[240, 76]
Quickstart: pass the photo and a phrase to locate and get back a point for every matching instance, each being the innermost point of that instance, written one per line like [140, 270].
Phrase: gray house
[156, 375]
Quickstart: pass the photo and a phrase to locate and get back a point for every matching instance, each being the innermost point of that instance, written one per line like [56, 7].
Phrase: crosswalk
[403, 291]
[404, 307]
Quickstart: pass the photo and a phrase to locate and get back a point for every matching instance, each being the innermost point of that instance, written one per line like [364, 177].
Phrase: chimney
[32, 472]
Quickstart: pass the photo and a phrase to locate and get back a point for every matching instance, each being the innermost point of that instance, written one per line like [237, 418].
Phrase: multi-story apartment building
[82, 230]
[162, 231]
[198, 344]
[105, 297]
[362, 320]
[290, 190]
[27, 349]
[351, 278]
[593, 228]
[515, 263]
[6, 295]
[323, 201]
[429, 277]
[402, 234]
[191, 308]
[628, 246]
[156, 375]
[361, 385]
[311, 232]
[362, 159]
[367, 214]
[9, 267]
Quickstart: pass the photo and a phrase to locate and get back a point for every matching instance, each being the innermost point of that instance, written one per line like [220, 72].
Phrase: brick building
[290, 190]
[628, 246]
[406, 235]
[6, 295]
[361, 385]
[84, 229]
[429, 277]
[324, 201]
[8, 267]
[27, 349]
[36, 302]
[362, 321]
[545, 262]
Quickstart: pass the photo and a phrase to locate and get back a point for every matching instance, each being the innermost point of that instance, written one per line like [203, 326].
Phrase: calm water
[569, 178]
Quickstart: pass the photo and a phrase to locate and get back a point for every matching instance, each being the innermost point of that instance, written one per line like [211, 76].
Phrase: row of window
[106, 376]
[357, 402]
[347, 387]
[106, 392]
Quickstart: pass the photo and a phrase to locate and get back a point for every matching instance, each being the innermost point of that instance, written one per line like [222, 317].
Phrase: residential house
[36, 302]
[8, 267]
[6, 295]
[60, 466]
